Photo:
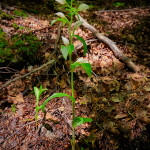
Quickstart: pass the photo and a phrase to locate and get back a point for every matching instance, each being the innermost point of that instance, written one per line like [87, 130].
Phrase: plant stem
[36, 112]
[73, 104]
[72, 86]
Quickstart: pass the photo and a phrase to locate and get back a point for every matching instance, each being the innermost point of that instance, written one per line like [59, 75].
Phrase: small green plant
[21, 28]
[38, 93]
[67, 50]
[13, 108]
[118, 4]
[20, 13]
[15, 26]
[5, 16]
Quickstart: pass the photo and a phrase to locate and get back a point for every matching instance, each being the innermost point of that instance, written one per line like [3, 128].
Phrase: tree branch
[111, 44]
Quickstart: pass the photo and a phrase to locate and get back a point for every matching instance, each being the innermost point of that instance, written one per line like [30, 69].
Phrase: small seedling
[13, 108]
[20, 13]
[15, 26]
[118, 4]
[67, 50]
[38, 93]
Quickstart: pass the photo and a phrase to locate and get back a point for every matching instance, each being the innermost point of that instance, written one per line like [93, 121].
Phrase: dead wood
[117, 52]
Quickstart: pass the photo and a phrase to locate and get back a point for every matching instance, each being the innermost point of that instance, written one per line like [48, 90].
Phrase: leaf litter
[117, 100]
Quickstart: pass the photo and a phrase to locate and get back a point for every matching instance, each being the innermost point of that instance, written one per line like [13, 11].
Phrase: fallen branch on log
[111, 44]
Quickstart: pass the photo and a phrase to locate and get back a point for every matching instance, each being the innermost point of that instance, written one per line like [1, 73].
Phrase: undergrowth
[18, 48]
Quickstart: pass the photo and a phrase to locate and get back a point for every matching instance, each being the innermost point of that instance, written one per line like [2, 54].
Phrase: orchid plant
[67, 50]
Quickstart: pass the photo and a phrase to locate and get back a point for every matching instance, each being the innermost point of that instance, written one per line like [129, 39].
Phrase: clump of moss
[5, 16]
[20, 13]
[22, 48]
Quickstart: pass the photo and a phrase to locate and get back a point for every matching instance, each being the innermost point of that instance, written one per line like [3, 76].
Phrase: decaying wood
[111, 44]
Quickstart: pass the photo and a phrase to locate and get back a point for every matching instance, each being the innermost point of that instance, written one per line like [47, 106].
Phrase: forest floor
[117, 99]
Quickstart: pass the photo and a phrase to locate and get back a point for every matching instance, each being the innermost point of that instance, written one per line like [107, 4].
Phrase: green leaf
[71, 48]
[86, 66]
[37, 109]
[65, 40]
[60, 19]
[53, 21]
[83, 41]
[80, 120]
[54, 96]
[36, 91]
[67, 50]
[83, 7]
[76, 25]
[41, 90]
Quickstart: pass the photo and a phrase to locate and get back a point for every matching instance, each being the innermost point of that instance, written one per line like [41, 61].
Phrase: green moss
[15, 25]
[5, 16]
[20, 13]
[19, 48]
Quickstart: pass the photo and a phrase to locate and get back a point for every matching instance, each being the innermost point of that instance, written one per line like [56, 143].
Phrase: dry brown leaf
[54, 36]
[103, 63]
[18, 83]
[23, 71]
[63, 83]
[50, 117]
[148, 106]
[147, 88]
[69, 92]
[47, 55]
[137, 77]
[119, 116]
[83, 132]
[54, 80]
[107, 80]
[17, 99]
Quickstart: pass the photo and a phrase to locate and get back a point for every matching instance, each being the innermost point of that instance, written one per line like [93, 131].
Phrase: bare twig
[9, 70]
[37, 69]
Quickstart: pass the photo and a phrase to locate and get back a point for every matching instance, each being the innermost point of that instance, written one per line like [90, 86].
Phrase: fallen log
[117, 52]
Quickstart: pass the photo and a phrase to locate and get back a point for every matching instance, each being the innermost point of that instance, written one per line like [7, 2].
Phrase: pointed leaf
[65, 40]
[36, 91]
[60, 19]
[84, 63]
[83, 7]
[53, 21]
[80, 120]
[71, 48]
[61, 1]
[83, 41]
[41, 90]
[54, 96]
[67, 50]
[77, 24]
[60, 14]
